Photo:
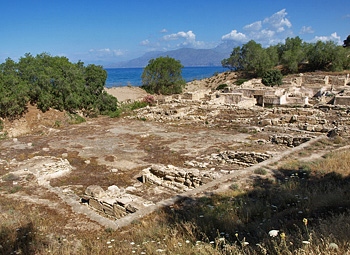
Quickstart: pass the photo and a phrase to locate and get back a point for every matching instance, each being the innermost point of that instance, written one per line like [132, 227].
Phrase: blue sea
[119, 77]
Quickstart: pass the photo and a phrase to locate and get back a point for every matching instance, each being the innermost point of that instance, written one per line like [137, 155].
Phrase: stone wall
[297, 100]
[342, 100]
[289, 140]
[232, 98]
[243, 158]
[178, 179]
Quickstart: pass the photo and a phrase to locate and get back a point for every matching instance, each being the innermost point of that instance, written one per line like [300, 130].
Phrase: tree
[251, 57]
[327, 56]
[53, 82]
[292, 54]
[163, 76]
[272, 78]
[13, 91]
[234, 62]
[347, 42]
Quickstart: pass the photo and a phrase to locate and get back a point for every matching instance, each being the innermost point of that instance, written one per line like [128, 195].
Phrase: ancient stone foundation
[113, 202]
[175, 178]
[289, 140]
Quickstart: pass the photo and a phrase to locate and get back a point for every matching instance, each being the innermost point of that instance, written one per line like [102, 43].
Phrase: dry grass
[234, 222]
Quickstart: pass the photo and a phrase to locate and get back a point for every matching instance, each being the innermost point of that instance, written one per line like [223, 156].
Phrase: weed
[10, 177]
[57, 124]
[15, 189]
[260, 171]
[75, 119]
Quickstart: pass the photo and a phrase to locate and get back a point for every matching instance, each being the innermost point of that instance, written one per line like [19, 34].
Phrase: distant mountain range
[187, 56]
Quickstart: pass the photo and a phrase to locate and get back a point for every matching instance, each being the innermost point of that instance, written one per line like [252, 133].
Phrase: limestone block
[179, 179]
[169, 178]
[130, 208]
[107, 209]
[95, 191]
[119, 211]
[94, 203]
[113, 190]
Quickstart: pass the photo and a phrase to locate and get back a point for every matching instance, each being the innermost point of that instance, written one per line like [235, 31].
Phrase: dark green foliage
[240, 81]
[163, 76]
[221, 86]
[13, 91]
[294, 55]
[328, 56]
[53, 82]
[272, 78]
[251, 57]
[347, 42]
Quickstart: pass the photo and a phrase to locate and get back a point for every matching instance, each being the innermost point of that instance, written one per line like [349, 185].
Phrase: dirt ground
[46, 160]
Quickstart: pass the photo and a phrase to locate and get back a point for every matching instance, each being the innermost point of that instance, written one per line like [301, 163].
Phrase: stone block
[95, 191]
[94, 203]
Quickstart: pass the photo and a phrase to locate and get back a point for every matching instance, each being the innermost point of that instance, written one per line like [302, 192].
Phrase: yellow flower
[283, 235]
[305, 221]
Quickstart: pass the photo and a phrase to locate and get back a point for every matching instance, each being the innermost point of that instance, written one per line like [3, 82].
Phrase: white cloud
[271, 30]
[145, 42]
[253, 26]
[106, 52]
[189, 39]
[306, 30]
[278, 20]
[164, 30]
[333, 37]
[190, 36]
[235, 36]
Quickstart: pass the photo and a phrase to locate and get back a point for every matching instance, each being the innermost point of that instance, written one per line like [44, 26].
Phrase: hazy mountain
[187, 56]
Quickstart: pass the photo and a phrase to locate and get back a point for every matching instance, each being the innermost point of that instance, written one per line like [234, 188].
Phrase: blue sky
[110, 31]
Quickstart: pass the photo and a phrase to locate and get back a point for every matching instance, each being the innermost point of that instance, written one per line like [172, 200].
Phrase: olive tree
[163, 76]
[251, 57]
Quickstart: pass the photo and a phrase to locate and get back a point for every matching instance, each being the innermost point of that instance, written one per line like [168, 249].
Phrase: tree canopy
[53, 82]
[290, 56]
[347, 42]
[163, 76]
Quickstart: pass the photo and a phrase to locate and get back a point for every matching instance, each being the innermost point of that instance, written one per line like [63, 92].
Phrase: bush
[53, 82]
[163, 76]
[272, 78]
[221, 86]
[149, 99]
[240, 81]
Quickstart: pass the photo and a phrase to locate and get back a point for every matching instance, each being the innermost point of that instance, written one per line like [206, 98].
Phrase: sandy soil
[127, 93]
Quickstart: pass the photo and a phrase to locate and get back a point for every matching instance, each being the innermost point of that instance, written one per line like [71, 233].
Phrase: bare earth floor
[56, 167]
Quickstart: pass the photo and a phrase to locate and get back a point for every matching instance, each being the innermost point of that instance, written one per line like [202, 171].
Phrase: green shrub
[240, 81]
[221, 86]
[260, 171]
[138, 104]
[272, 78]
[76, 119]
